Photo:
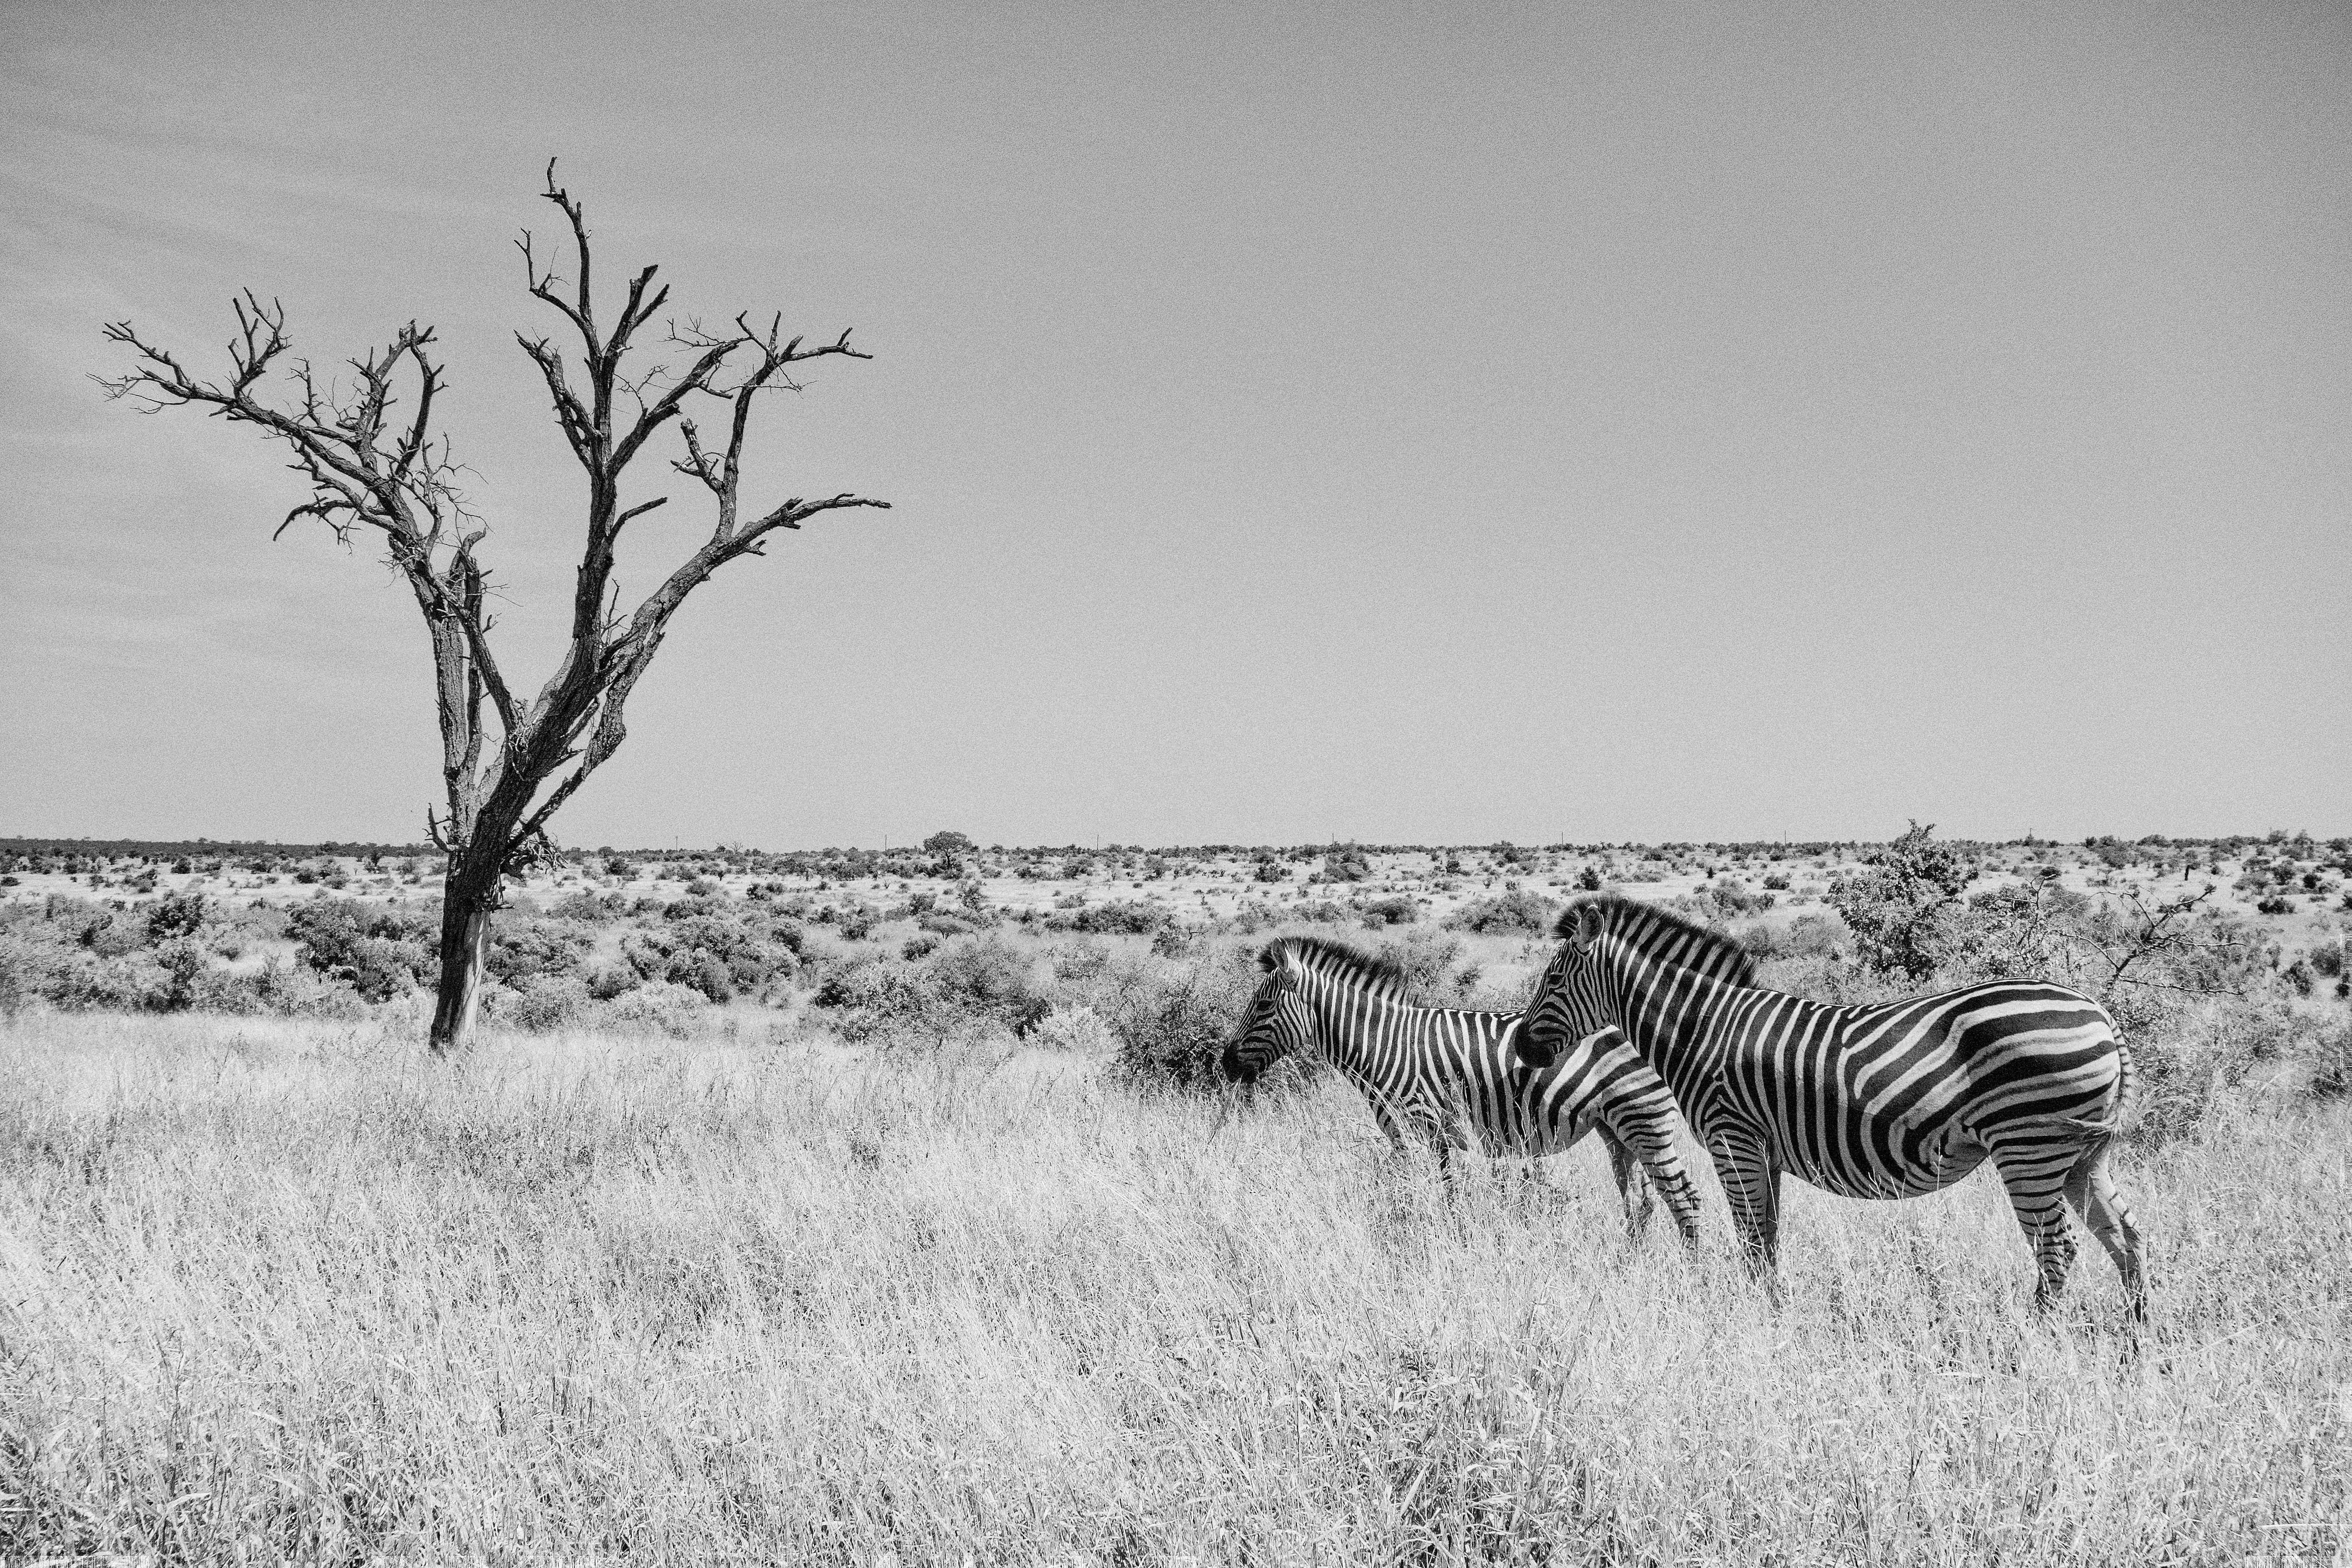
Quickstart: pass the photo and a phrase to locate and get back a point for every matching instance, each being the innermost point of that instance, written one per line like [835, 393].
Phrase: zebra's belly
[1888, 1170]
[1501, 1127]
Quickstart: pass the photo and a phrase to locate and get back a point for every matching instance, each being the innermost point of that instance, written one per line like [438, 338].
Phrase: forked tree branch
[371, 463]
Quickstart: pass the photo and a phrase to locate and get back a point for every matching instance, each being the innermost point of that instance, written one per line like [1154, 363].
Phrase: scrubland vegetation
[907, 1221]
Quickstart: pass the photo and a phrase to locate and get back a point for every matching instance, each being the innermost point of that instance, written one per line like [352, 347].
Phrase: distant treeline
[956, 854]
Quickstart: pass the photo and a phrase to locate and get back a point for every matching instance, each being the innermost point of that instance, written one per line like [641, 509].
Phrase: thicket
[2212, 1006]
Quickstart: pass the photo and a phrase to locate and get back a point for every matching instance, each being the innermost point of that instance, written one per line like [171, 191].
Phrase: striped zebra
[1886, 1101]
[1452, 1079]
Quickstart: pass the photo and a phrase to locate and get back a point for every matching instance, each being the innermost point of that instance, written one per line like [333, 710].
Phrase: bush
[994, 977]
[1348, 865]
[1075, 1028]
[882, 999]
[2187, 1057]
[590, 908]
[544, 1004]
[657, 1005]
[2331, 1076]
[1898, 904]
[1729, 896]
[379, 950]
[983, 982]
[1514, 912]
[174, 915]
[719, 956]
[1172, 1022]
[1119, 917]
[1393, 911]
[1431, 965]
[523, 950]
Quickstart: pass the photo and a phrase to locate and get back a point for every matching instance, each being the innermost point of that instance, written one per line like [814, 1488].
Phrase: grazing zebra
[1452, 1076]
[1885, 1102]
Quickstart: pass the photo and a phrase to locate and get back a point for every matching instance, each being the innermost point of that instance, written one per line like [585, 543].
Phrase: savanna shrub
[991, 976]
[606, 980]
[1176, 939]
[524, 950]
[1430, 965]
[1075, 1027]
[657, 1005]
[2188, 1055]
[1172, 1021]
[720, 958]
[2331, 1074]
[1396, 909]
[884, 999]
[174, 915]
[1347, 864]
[379, 950]
[1519, 911]
[590, 908]
[1127, 917]
[545, 1002]
[1899, 902]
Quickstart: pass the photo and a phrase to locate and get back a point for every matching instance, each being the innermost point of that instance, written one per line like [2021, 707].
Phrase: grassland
[278, 1290]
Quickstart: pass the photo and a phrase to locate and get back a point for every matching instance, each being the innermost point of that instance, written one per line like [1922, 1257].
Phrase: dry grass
[282, 1291]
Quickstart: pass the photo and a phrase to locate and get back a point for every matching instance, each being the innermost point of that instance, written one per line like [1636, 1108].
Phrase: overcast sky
[1393, 422]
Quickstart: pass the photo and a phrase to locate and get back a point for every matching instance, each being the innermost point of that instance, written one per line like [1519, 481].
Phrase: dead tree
[368, 470]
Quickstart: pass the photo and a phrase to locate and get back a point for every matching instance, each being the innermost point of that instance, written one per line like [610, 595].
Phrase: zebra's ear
[1579, 925]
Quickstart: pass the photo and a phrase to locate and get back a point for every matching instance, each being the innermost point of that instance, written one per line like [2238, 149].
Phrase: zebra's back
[1907, 1097]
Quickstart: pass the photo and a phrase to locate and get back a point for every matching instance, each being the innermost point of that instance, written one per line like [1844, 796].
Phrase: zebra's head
[1277, 1020]
[1569, 1004]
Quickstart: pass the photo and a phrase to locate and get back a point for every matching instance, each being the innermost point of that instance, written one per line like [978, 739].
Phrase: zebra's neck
[1675, 1016]
[1349, 1017]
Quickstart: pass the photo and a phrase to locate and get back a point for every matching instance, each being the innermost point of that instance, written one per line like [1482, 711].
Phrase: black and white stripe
[1453, 1078]
[1885, 1102]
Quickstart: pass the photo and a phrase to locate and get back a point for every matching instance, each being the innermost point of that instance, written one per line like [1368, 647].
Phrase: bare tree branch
[371, 463]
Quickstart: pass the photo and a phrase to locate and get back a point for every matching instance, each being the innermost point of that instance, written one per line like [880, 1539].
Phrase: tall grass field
[280, 1290]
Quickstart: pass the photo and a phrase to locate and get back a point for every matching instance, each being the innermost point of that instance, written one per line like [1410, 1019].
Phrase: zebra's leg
[1450, 1137]
[1631, 1135]
[2036, 1171]
[1393, 1126]
[1751, 1187]
[2091, 1191]
[1625, 1166]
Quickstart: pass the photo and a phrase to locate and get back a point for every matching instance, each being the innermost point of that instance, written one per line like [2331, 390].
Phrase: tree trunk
[469, 896]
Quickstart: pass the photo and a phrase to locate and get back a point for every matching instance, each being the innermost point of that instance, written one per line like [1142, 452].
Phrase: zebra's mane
[1325, 956]
[1651, 930]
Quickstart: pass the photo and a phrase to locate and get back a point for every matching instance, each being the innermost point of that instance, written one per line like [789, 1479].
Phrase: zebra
[1448, 1077]
[1893, 1100]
